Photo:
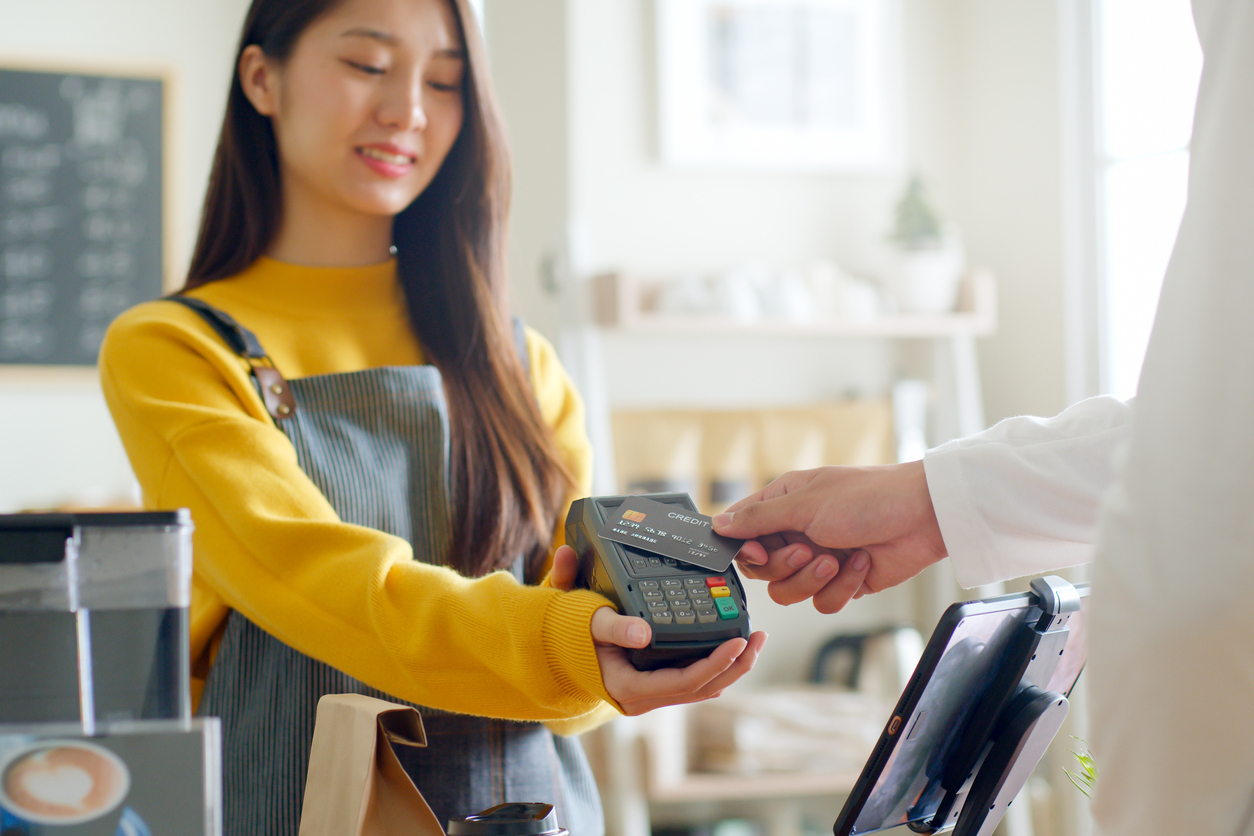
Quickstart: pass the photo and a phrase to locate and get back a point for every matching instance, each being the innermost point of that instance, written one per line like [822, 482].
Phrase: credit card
[670, 531]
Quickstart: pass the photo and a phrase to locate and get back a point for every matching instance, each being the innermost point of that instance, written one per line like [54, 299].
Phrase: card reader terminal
[692, 610]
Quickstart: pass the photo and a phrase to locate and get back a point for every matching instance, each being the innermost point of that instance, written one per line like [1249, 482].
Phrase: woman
[365, 447]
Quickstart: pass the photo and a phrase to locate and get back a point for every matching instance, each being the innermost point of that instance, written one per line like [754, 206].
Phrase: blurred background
[764, 235]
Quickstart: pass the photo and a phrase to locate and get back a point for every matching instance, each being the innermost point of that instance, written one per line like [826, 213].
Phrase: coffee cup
[62, 782]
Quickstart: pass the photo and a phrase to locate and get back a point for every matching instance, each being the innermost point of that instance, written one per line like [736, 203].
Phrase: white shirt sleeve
[1022, 498]
[1171, 647]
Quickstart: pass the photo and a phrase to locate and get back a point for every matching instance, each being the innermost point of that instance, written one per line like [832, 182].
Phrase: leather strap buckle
[275, 392]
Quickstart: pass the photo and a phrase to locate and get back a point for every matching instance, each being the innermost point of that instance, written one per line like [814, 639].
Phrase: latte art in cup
[63, 782]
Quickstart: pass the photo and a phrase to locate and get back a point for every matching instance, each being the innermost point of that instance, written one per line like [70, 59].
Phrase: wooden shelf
[622, 305]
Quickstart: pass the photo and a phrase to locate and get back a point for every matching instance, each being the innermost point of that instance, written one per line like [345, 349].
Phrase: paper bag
[356, 785]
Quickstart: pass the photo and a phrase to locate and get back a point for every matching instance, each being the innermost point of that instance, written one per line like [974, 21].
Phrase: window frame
[1084, 201]
[1087, 166]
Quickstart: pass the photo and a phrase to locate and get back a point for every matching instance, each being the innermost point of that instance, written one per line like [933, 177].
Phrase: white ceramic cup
[62, 782]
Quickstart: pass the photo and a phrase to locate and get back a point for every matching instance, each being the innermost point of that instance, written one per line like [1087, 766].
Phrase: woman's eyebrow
[374, 34]
[392, 40]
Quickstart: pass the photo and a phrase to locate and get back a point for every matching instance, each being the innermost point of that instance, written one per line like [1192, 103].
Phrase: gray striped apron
[376, 444]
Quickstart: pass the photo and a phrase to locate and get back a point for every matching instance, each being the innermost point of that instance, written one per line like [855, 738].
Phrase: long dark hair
[509, 482]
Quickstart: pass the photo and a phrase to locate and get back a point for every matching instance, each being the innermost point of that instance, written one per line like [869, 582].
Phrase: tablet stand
[1013, 725]
[1030, 728]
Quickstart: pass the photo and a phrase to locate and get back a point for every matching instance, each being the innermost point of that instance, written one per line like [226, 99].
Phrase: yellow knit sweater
[268, 544]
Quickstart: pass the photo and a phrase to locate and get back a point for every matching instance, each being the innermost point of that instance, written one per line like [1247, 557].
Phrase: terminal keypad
[677, 593]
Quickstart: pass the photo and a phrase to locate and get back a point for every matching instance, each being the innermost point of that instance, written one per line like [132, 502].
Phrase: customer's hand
[639, 691]
[798, 569]
[817, 531]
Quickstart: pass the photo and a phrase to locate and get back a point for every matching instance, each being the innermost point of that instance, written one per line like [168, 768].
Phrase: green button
[726, 608]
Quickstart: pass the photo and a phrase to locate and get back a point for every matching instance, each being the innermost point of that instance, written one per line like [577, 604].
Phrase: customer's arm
[1020, 498]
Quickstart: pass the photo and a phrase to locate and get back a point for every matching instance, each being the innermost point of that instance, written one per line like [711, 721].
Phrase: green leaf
[1086, 778]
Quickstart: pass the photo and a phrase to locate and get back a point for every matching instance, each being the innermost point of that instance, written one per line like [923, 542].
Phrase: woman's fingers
[640, 691]
[743, 663]
[608, 627]
[565, 569]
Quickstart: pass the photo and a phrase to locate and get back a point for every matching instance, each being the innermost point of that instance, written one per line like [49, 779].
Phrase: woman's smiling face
[366, 106]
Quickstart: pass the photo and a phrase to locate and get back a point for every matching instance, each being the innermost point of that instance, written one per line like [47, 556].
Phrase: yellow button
[720, 592]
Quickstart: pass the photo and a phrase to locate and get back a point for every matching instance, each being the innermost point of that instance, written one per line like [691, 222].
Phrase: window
[1146, 73]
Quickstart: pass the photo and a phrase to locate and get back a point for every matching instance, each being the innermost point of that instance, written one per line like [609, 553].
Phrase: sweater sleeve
[268, 544]
[1022, 497]
[563, 410]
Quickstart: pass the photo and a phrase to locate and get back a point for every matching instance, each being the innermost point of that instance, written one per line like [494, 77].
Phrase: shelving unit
[628, 304]
[644, 761]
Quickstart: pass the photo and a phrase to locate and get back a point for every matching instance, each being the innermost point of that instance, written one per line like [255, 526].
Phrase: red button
[717, 580]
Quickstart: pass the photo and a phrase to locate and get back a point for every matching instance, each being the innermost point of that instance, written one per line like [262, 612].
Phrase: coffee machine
[93, 616]
[97, 736]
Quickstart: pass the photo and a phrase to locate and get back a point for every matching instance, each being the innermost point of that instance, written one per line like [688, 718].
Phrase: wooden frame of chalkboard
[85, 208]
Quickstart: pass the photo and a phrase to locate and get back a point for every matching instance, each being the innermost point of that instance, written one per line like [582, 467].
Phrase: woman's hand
[639, 691]
[565, 569]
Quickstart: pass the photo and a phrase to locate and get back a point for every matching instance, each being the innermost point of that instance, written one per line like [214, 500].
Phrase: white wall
[527, 44]
[57, 443]
[982, 124]
[1010, 192]
[638, 215]
[647, 217]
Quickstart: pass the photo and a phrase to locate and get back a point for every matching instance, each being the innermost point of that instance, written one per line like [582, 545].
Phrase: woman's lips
[387, 161]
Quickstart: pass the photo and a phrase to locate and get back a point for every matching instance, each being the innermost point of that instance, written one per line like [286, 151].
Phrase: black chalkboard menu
[81, 219]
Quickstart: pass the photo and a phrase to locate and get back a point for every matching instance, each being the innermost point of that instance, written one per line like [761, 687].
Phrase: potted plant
[928, 258]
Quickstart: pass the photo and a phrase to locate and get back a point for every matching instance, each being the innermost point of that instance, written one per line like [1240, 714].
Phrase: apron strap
[274, 389]
[270, 383]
